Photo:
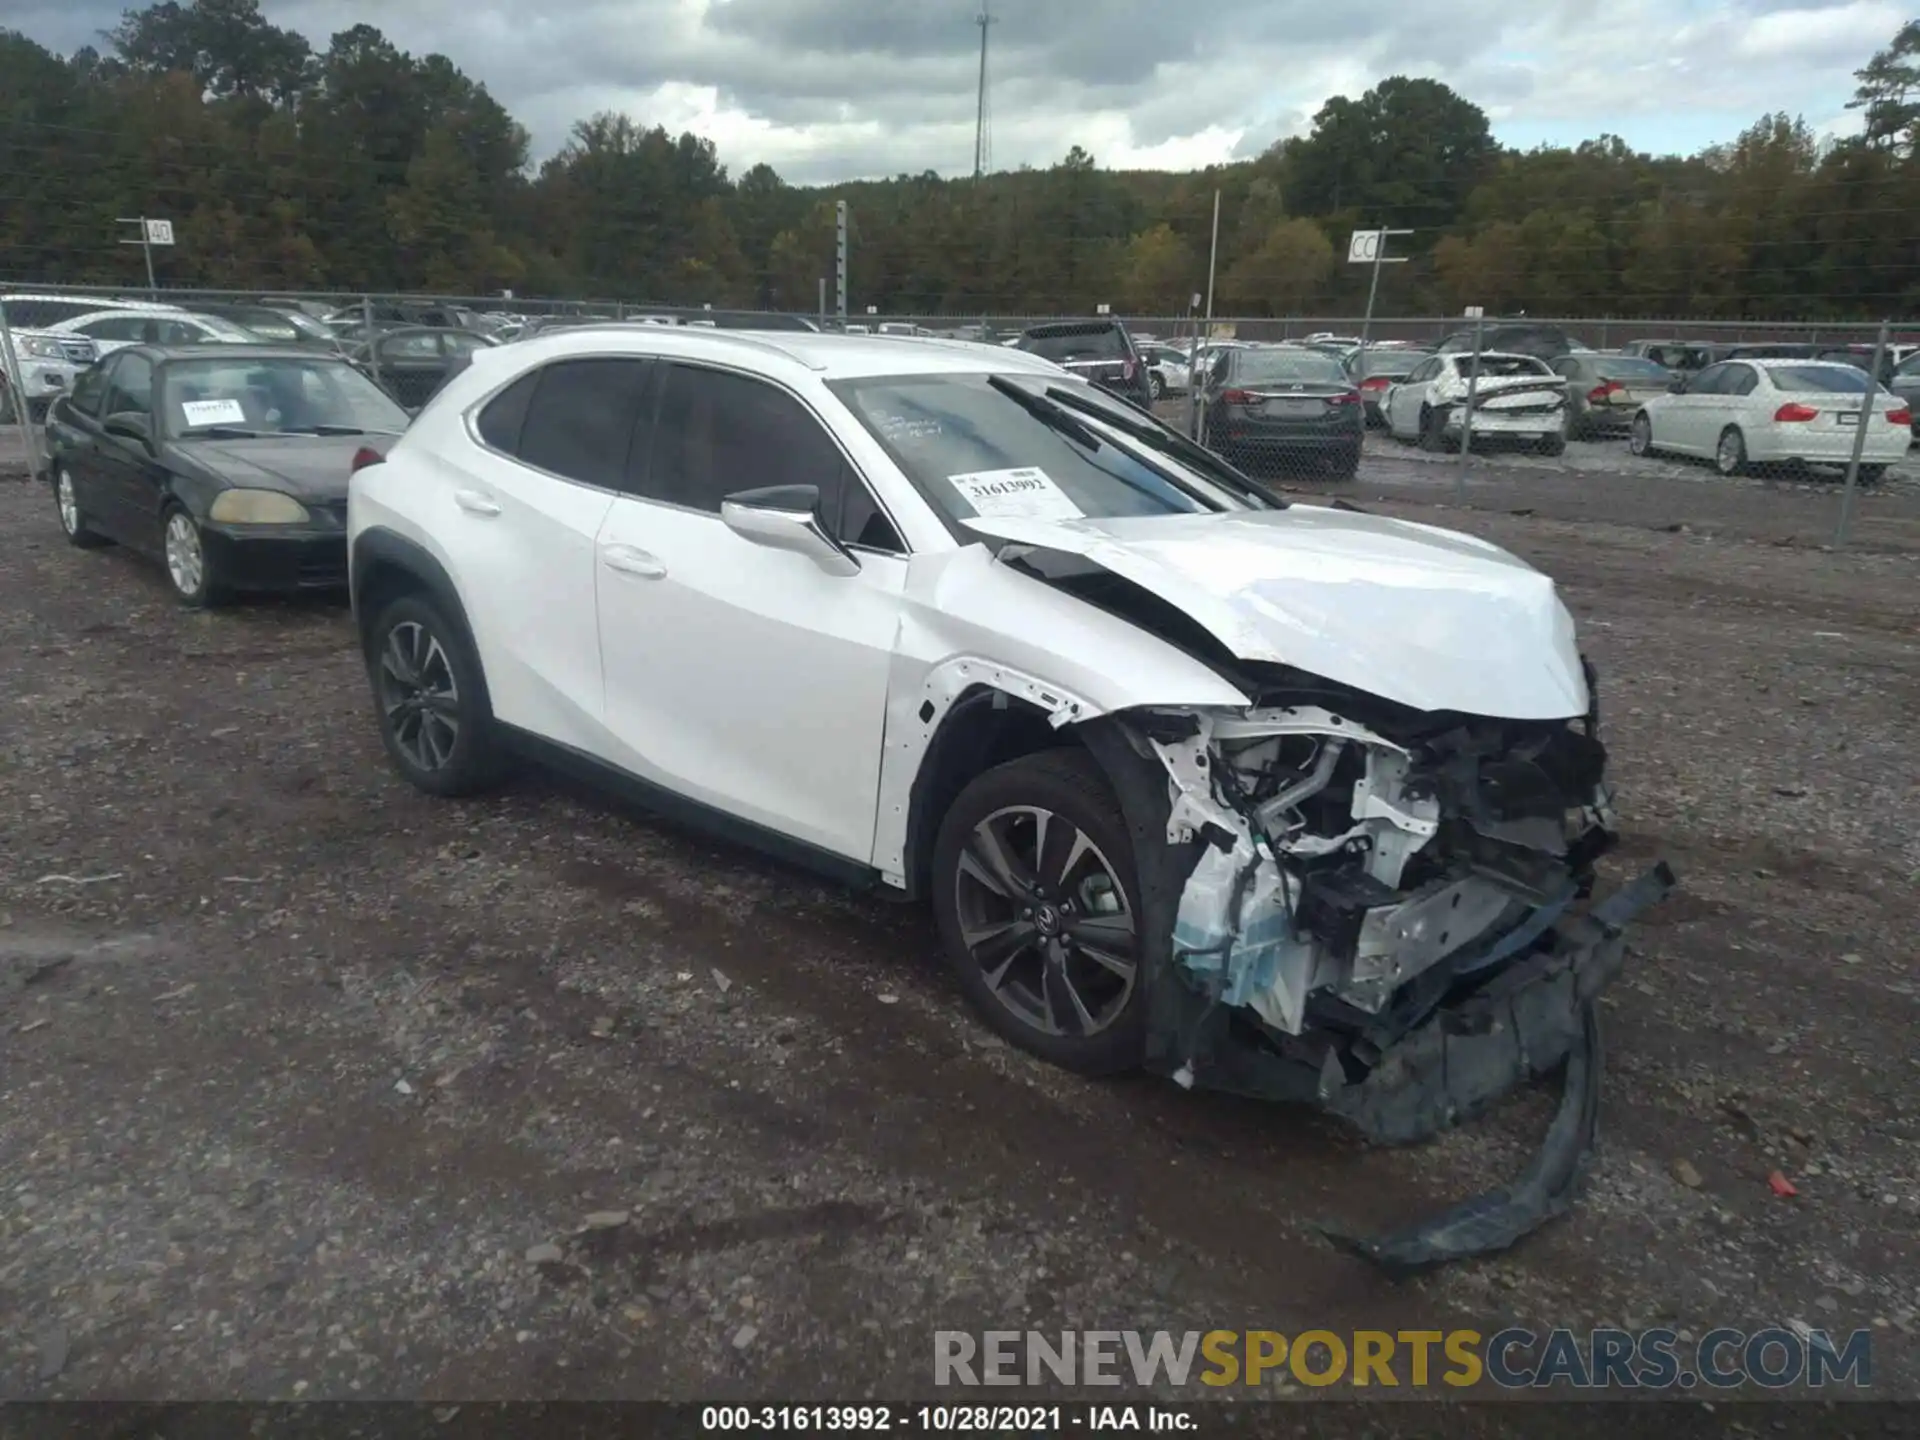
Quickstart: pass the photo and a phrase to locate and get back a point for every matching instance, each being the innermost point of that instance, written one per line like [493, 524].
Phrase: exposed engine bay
[1344, 866]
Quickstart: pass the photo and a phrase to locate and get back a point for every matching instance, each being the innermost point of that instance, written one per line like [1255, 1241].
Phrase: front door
[125, 472]
[745, 678]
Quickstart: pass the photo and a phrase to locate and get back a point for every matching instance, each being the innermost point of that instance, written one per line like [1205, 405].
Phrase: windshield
[1833, 379]
[1023, 447]
[1304, 367]
[1094, 342]
[274, 397]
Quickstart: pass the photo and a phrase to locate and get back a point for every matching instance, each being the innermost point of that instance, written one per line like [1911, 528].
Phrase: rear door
[523, 507]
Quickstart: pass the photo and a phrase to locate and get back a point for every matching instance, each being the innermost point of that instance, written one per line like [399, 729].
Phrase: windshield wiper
[1048, 412]
[218, 432]
[321, 430]
[1170, 442]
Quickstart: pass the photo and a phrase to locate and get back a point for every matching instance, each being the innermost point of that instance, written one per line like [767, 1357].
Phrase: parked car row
[949, 620]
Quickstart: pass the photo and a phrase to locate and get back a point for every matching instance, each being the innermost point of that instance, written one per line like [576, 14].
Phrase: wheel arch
[384, 567]
[986, 726]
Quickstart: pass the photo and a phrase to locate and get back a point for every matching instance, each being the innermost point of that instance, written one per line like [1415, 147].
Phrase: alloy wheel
[186, 561]
[69, 504]
[1045, 916]
[1641, 439]
[1730, 453]
[419, 696]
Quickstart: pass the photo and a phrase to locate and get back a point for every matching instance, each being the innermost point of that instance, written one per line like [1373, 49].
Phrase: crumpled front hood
[307, 467]
[1421, 616]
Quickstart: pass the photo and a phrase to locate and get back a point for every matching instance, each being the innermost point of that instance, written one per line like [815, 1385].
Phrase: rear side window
[581, 418]
[500, 421]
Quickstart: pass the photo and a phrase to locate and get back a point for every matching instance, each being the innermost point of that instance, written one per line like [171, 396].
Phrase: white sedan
[1515, 397]
[111, 330]
[1746, 412]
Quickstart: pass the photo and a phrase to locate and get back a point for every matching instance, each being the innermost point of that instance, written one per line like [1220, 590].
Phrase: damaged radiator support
[1383, 925]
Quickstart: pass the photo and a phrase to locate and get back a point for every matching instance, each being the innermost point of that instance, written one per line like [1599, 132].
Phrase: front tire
[1433, 432]
[190, 570]
[1730, 454]
[436, 720]
[1156, 386]
[1037, 901]
[73, 520]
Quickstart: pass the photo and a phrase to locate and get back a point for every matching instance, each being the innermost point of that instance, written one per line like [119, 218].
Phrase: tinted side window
[499, 423]
[718, 433]
[88, 390]
[1742, 380]
[131, 388]
[1709, 380]
[581, 420]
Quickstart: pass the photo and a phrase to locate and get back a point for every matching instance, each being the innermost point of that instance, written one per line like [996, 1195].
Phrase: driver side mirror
[131, 425]
[787, 517]
[1677, 385]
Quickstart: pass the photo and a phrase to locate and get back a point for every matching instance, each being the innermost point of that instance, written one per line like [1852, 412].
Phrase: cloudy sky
[835, 89]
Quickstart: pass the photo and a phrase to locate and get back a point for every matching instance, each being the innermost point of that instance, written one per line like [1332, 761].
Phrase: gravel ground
[297, 1066]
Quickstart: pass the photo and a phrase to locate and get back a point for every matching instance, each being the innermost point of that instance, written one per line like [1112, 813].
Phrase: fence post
[1867, 412]
[1466, 415]
[17, 394]
[373, 350]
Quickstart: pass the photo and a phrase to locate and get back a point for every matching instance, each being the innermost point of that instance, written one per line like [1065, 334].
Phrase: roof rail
[748, 339]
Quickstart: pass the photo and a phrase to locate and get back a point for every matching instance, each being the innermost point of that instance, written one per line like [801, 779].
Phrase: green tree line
[361, 167]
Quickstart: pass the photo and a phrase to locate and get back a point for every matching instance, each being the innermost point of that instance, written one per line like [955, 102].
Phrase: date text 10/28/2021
[949, 1419]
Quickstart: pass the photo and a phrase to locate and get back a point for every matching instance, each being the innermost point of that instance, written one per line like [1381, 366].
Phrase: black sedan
[228, 463]
[1281, 403]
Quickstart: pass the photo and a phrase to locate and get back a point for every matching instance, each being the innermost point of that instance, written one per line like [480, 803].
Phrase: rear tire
[1730, 454]
[1870, 475]
[1433, 433]
[1041, 917]
[1640, 436]
[436, 719]
[73, 520]
[1554, 445]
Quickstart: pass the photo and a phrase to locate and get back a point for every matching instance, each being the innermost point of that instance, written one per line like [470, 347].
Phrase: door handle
[474, 503]
[630, 561]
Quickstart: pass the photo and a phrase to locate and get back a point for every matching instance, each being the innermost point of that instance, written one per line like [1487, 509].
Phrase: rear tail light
[363, 457]
[1598, 395]
[1794, 413]
[1237, 397]
[1126, 371]
[1900, 417]
[1375, 382]
[1349, 397]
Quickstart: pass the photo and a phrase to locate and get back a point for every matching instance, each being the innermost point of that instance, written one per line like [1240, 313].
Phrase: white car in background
[1515, 397]
[1169, 369]
[112, 330]
[1755, 412]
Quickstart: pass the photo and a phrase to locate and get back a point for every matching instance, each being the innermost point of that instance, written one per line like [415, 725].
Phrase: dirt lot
[296, 1064]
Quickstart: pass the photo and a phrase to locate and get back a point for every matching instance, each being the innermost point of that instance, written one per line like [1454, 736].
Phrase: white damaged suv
[1291, 800]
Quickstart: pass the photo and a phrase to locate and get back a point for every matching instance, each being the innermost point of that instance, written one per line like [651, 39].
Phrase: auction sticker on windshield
[1023, 494]
[213, 412]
